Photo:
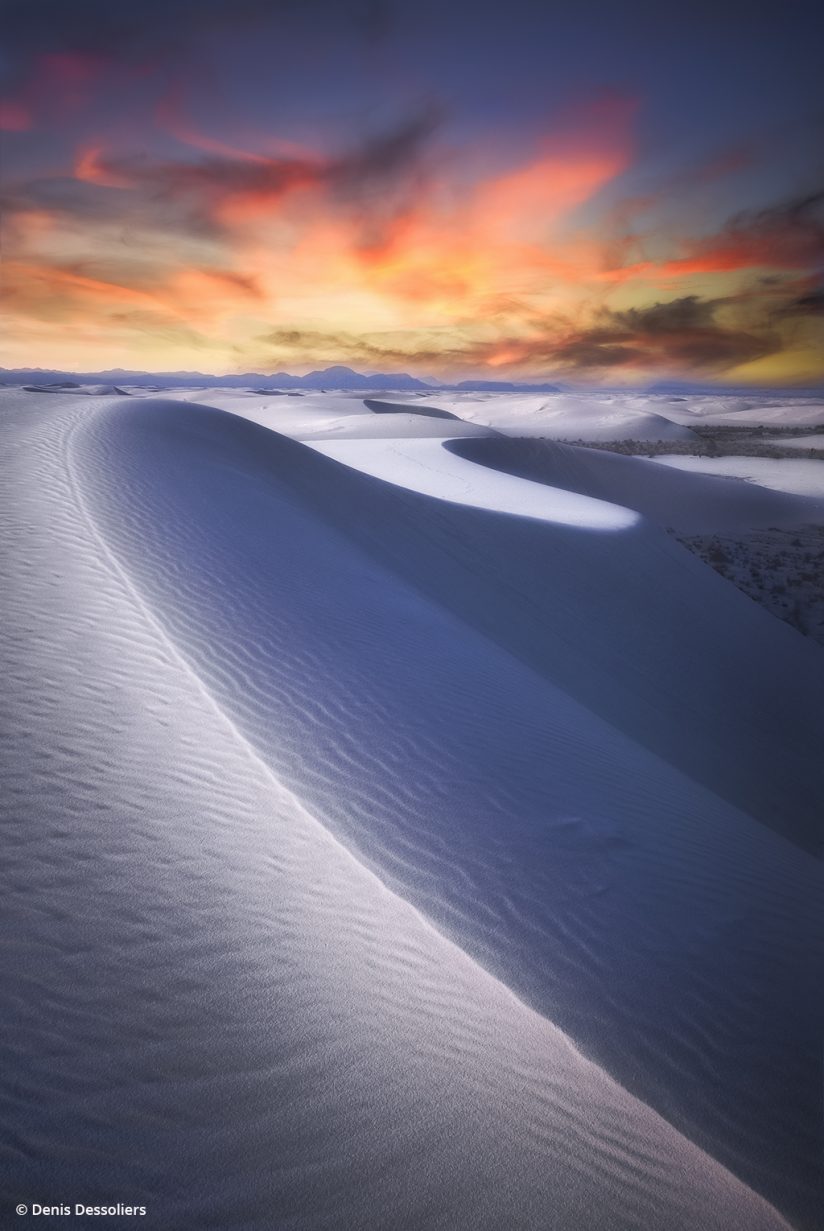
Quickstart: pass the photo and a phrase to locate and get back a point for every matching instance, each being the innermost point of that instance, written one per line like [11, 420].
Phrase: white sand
[309, 769]
[800, 477]
[425, 466]
[813, 441]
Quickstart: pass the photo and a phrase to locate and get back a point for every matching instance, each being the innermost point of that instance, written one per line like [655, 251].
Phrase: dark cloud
[790, 234]
[375, 351]
[680, 333]
[811, 304]
[804, 210]
[687, 313]
[583, 352]
[720, 348]
[342, 345]
[388, 153]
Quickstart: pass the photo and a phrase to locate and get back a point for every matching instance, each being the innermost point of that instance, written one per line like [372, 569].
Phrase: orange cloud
[507, 356]
[539, 194]
[502, 231]
[208, 295]
[183, 294]
[67, 282]
[449, 256]
[587, 149]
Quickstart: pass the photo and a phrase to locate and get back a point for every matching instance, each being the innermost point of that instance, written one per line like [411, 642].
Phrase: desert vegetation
[713, 441]
[782, 569]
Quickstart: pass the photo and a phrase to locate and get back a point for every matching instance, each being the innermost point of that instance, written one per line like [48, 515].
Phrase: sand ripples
[219, 1007]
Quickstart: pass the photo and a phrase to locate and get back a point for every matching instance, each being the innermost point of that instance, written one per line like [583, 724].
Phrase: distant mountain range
[336, 377]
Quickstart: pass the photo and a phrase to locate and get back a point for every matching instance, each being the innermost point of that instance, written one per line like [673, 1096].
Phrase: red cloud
[57, 84]
[14, 116]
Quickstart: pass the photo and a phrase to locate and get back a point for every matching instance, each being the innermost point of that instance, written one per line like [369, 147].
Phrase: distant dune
[802, 477]
[70, 387]
[568, 416]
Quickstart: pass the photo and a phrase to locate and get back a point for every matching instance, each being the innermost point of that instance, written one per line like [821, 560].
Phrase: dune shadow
[403, 408]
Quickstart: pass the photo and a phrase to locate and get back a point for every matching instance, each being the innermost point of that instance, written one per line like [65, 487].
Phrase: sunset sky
[595, 192]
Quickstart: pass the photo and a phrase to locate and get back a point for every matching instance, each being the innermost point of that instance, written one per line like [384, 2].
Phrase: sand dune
[565, 633]
[715, 410]
[589, 416]
[696, 499]
[623, 415]
[799, 477]
[422, 465]
[534, 790]
[70, 387]
[219, 1011]
[570, 416]
[321, 780]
